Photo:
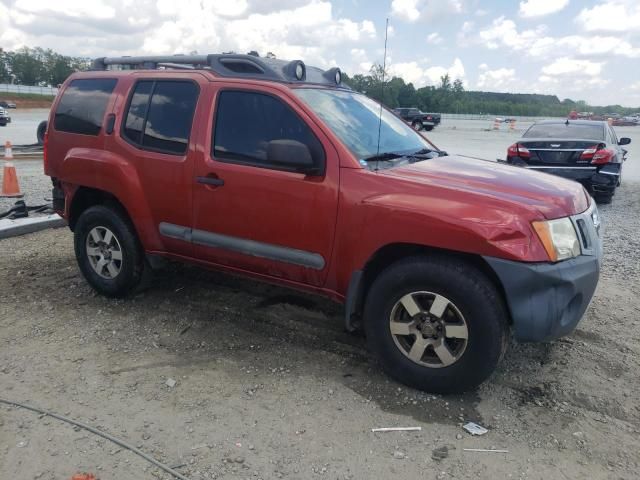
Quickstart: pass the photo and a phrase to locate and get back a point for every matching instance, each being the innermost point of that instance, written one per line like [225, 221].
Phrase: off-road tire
[428, 128]
[472, 293]
[133, 260]
[417, 126]
[41, 131]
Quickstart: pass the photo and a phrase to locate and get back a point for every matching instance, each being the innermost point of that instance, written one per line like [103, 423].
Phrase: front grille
[584, 234]
[587, 225]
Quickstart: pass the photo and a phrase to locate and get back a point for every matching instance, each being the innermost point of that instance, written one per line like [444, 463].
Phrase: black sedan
[582, 150]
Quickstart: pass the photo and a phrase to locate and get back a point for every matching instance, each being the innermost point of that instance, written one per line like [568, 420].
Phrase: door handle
[111, 121]
[213, 181]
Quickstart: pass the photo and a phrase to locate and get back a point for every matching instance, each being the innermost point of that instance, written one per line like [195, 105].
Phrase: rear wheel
[108, 251]
[436, 323]
[428, 128]
[40, 132]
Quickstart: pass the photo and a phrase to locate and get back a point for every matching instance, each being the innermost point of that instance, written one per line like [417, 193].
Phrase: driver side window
[247, 121]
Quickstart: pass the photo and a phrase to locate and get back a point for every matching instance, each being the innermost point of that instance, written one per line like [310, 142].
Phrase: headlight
[559, 238]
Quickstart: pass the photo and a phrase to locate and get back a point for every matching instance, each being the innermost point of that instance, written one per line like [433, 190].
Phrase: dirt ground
[268, 385]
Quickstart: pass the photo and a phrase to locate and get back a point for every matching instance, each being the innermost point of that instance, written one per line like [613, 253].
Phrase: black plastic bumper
[547, 300]
[603, 180]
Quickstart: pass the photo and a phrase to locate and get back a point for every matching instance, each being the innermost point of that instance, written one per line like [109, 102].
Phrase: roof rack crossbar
[232, 65]
[148, 61]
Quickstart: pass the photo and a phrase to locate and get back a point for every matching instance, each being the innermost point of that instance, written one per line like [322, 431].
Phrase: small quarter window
[137, 112]
[82, 106]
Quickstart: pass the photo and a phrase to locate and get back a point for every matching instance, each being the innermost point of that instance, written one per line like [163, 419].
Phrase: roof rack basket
[230, 65]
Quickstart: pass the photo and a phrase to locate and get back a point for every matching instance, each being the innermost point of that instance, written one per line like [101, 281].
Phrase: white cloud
[498, 80]
[539, 8]
[571, 66]
[305, 29]
[420, 75]
[611, 16]
[405, 10]
[414, 10]
[503, 33]
[434, 39]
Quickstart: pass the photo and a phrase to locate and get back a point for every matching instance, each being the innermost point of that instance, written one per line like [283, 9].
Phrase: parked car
[272, 169]
[583, 150]
[4, 117]
[7, 104]
[417, 119]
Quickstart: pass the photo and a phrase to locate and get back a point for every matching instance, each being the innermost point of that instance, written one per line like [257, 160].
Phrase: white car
[4, 118]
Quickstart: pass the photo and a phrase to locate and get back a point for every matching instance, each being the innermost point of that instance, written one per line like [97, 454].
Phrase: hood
[552, 196]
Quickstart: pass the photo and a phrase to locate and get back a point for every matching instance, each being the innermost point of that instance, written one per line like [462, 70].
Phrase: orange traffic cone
[10, 187]
[84, 476]
[496, 124]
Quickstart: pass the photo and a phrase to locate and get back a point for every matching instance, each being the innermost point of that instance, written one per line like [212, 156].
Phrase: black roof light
[333, 75]
[296, 69]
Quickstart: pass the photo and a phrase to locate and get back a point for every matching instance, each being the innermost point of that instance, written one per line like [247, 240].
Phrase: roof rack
[231, 65]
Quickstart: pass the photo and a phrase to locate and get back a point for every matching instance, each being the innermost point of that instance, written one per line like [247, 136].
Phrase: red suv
[277, 170]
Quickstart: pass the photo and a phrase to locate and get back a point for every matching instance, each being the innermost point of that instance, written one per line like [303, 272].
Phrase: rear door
[155, 135]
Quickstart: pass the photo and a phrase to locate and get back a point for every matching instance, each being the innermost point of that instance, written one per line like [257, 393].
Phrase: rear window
[160, 115]
[561, 130]
[83, 104]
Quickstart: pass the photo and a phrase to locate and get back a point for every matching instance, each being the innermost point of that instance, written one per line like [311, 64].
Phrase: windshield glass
[354, 118]
[561, 130]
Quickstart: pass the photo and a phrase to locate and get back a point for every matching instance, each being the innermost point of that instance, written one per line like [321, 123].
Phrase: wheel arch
[86, 197]
[361, 280]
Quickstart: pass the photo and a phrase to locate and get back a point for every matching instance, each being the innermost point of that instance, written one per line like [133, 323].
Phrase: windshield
[562, 130]
[354, 118]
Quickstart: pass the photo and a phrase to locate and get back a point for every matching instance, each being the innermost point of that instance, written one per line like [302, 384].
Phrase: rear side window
[247, 121]
[82, 106]
[160, 115]
[562, 130]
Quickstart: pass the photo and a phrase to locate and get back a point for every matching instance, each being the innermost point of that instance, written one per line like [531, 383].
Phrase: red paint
[477, 207]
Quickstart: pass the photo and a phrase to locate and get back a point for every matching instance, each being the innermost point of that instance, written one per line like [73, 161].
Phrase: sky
[579, 49]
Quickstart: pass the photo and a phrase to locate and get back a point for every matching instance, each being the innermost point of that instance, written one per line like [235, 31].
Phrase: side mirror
[624, 141]
[290, 154]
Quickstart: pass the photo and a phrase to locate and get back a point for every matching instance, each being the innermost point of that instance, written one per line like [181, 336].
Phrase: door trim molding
[243, 245]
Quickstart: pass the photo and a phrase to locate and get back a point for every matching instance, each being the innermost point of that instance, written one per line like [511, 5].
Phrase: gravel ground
[269, 386]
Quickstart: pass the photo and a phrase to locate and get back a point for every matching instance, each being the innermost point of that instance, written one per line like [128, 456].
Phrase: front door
[254, 215]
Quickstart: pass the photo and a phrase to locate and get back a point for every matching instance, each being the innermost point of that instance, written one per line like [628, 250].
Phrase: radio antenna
[384, 71]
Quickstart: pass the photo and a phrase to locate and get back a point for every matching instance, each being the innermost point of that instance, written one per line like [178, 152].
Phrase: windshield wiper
[384, 156]
[424, 151]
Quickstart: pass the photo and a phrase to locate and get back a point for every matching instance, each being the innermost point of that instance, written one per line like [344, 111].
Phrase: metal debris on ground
[397, 429]
[475, 429]
[440, 453]
[170, 383]
[485, 450]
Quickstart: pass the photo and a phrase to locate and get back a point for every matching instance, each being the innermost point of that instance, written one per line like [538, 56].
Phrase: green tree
[27, 66]
[5, 74]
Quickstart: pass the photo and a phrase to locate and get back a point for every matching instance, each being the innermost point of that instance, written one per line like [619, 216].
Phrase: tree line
[38, 66]
[451, 97]
[44, 67]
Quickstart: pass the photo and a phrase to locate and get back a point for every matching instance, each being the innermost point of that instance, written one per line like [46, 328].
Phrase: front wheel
[108, 251]
[428, 128]
[436, 323]
[417, 126]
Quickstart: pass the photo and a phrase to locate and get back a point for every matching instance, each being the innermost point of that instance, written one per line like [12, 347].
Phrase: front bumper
[547, 300]
[5, 120]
